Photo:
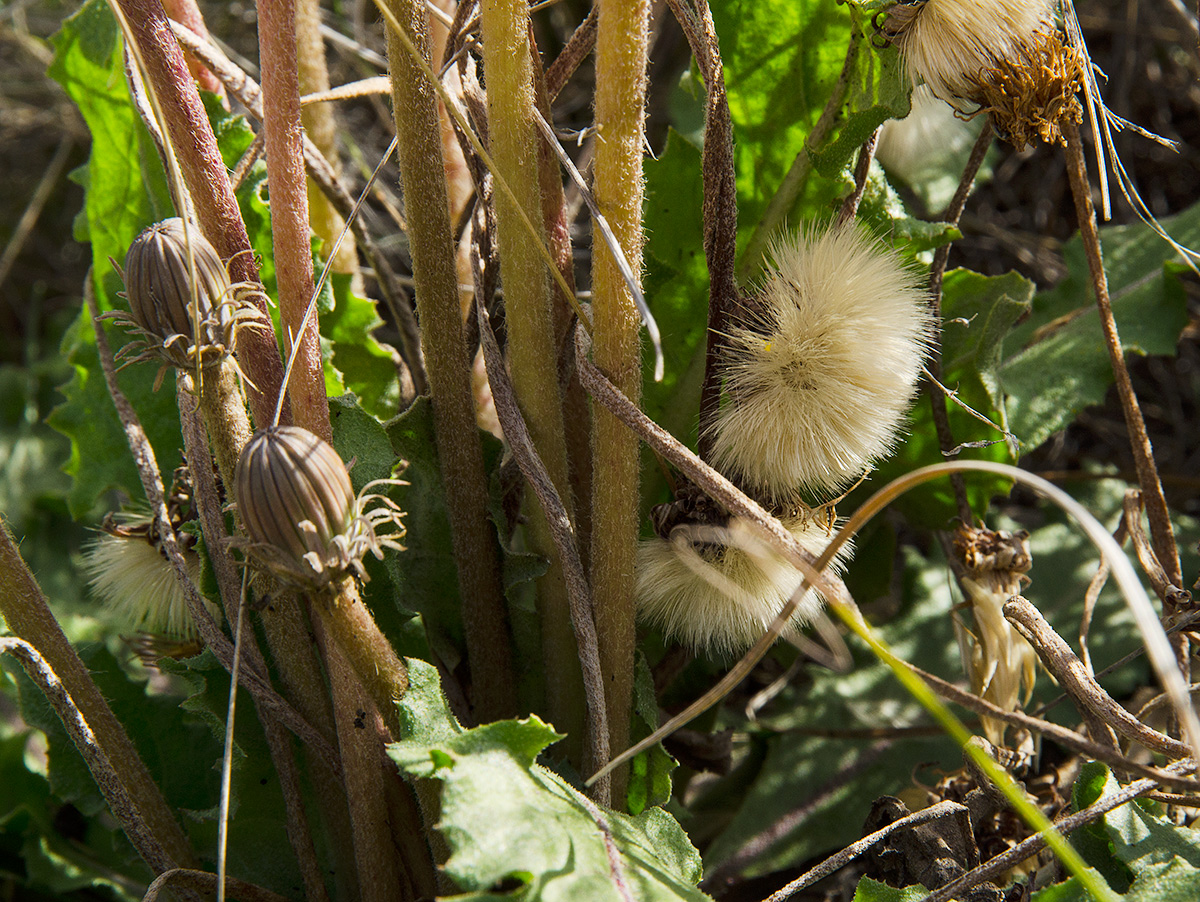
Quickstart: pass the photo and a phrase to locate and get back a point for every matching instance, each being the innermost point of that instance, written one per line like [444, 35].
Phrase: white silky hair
[138, 586]
[820, 380]
[925, 140]
[949, 42]
[721, 597]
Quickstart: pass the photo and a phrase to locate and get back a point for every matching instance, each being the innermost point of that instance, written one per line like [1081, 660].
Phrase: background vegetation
[761, 787]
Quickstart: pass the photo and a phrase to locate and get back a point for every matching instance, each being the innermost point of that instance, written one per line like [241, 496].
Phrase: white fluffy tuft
[820, 380]
[722, 595]
[138, 586]
[921, 144]
[949, 42]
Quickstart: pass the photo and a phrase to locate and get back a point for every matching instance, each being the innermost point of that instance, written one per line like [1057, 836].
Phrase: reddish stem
[204, 172]
[289, 209]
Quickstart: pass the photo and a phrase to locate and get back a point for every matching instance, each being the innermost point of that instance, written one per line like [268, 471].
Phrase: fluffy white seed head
[137, 585]
[948, 43]
[719, 588]
[819, 377]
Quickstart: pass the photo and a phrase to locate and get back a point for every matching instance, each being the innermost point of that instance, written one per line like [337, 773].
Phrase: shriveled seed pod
[304, 522]
[173, 324]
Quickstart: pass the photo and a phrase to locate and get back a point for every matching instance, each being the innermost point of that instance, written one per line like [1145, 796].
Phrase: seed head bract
[821, 372]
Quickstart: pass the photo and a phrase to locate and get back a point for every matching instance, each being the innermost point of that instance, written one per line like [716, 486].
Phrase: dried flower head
[1002, 57]
[822, 370]
[174, 324]
[304, 522]
[128, 570]
[1000, 662]
[716, 586]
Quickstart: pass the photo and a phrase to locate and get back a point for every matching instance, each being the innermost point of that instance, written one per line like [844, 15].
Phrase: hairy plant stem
[720, 209]
[247, 91]
[933, 364]
[289, 211]
[1162, 535]
[367, 650]
[187, 13]
[207, 181]
[374, 850]
[622, 47]
[27, 614]
[460, 452]
[508, 64]
[321, 128]
[213, 526]
[224, 411]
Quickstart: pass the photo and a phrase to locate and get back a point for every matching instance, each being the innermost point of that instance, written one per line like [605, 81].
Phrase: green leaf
[365, 365]
[1059, 362]
[650, 771]
[507, 819]
[1091, 841]
[869, 890]
[126, 191]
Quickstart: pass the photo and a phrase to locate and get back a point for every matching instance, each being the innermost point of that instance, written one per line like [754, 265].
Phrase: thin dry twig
[101, 766]
[1161, 532]
[862, 169]
[1072, 675]
[836, 862]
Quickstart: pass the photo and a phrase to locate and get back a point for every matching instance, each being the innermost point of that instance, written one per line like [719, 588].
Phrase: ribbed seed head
[161, 302]
[297, 504]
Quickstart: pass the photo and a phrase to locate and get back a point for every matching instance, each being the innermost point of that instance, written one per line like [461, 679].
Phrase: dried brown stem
[862, 169]
[187, 880]
[720, 208]
[1161, 533]
[1072, 675]
[137, 824]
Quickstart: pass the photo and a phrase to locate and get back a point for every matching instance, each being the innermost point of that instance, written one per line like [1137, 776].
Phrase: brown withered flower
[180, 327]
[304, 522]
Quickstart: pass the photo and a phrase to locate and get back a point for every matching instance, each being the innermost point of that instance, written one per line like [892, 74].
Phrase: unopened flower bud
[304, 522]
[180, 326]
